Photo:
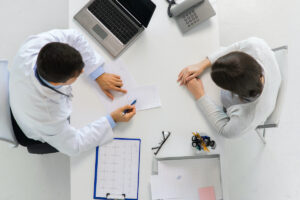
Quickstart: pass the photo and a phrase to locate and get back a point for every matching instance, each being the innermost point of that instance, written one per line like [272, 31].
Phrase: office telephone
[190, 13]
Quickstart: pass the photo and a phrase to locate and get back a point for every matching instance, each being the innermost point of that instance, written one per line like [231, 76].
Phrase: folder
[117, 167]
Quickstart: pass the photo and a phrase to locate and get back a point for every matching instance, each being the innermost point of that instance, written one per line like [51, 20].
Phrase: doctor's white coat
[42, 113]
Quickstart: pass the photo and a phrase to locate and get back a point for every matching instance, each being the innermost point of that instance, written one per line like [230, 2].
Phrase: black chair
[33, 146]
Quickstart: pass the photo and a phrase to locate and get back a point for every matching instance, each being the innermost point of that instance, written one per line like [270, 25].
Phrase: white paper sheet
[147, 96]
[118, 67]
[183, 178]
[118, 167]
[160, 190]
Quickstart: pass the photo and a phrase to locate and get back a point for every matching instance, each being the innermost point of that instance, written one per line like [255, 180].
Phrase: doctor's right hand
[120, 116]
[108, 82]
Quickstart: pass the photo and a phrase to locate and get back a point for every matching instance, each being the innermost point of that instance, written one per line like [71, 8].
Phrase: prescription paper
[146, 97]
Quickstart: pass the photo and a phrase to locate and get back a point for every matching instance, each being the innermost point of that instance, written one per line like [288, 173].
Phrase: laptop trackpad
[100, 31]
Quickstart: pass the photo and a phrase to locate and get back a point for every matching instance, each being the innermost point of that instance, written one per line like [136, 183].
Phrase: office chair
[9, 130]
[281, 54]
[6, 130]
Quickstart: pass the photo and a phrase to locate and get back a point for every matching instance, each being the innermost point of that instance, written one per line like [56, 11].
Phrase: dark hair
[239, 73]
[58, 62]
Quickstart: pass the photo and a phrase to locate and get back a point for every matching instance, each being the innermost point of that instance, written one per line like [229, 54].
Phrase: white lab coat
[42, 113]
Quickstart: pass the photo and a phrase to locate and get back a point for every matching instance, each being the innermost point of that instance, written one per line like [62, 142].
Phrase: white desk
[156, 57]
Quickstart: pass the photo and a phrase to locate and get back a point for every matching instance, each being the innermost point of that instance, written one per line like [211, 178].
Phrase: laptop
[115, 23]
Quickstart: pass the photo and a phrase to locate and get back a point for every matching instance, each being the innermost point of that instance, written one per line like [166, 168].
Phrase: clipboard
[117, 168]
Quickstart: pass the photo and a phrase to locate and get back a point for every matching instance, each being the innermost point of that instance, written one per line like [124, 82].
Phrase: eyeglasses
[165, 135]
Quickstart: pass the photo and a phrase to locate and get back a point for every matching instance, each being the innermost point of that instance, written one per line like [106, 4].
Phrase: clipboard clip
[114, 198]
[165, 135]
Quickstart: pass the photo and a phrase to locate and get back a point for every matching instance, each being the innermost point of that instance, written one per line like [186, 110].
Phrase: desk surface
[156, 57]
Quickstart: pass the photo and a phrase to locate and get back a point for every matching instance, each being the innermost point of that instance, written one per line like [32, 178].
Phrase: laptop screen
[142, 10]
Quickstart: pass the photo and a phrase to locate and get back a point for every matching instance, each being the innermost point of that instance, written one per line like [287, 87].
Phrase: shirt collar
[44, 81]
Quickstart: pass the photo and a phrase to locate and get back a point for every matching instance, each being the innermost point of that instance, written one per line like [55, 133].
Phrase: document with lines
[117, 169]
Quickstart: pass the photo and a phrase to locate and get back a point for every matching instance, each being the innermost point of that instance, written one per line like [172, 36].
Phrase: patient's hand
[192, 71]
[195, 86]
[109, 82]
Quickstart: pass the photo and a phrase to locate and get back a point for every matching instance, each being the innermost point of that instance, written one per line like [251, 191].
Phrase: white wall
[25, 176]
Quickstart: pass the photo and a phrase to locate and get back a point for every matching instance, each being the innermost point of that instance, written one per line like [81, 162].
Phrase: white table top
[156, 57]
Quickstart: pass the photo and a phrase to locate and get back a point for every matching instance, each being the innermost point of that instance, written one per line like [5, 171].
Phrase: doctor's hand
[109, 82]
[192, 71]
[119, 115]
[195, 86]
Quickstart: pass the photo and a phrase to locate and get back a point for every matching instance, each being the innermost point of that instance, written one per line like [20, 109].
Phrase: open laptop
[115, 23]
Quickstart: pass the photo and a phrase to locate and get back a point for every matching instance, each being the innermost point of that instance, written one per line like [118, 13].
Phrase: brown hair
[58, 62]
[239, 73]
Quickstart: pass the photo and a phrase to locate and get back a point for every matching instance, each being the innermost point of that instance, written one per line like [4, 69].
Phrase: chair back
[6, 130]
[281, 54]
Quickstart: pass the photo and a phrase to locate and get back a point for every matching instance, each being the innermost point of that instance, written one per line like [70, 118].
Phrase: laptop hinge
[135, 20]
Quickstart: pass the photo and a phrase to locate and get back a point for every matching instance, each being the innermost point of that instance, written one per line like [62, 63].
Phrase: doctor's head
[59, 63]
[239, 73]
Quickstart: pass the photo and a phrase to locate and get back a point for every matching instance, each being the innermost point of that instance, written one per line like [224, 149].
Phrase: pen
[126, 111]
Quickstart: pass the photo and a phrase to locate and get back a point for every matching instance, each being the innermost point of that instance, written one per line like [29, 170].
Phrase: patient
[249, 78]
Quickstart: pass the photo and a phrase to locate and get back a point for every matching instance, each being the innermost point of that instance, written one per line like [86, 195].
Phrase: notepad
[207, 193]
[117, 169]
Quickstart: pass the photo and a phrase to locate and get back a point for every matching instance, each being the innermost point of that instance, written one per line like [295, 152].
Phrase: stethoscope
[57, 91]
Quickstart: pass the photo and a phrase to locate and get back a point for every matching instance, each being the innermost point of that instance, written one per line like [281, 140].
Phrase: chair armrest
[267, 126]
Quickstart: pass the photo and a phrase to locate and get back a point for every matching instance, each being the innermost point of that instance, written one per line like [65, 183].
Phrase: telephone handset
[189, 13]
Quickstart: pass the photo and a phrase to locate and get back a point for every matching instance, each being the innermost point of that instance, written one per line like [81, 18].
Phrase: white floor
[22, 175]
[240, 19]
[266, 172]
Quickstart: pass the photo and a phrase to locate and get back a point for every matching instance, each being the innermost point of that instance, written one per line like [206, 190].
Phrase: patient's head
[59, 63]
[239, 73]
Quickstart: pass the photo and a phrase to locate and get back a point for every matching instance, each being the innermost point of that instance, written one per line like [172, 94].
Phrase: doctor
[40, 92]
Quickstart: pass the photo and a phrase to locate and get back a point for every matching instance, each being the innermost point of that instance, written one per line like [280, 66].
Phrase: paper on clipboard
[117, 169]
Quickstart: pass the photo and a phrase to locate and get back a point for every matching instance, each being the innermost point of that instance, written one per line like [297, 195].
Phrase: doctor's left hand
[109, 82]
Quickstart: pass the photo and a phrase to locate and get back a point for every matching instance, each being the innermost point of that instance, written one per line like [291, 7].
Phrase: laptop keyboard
[111, 17]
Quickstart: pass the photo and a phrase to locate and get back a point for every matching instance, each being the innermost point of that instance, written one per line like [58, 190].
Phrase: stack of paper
[187, 179]
[147, 96]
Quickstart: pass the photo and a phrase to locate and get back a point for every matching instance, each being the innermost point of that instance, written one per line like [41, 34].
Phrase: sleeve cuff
[111, 121]
[98, 72]
[202, 101]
